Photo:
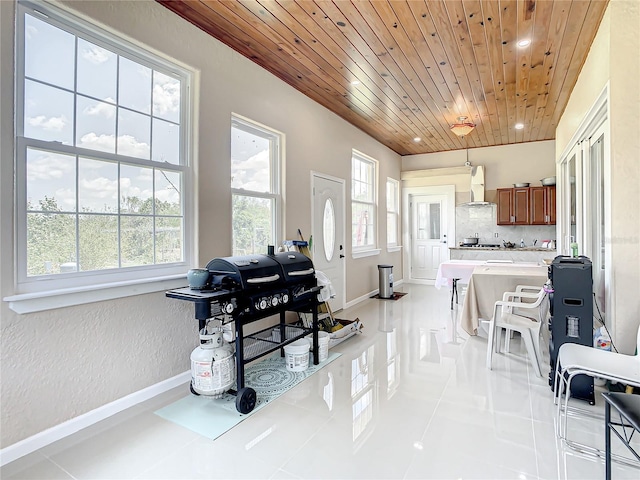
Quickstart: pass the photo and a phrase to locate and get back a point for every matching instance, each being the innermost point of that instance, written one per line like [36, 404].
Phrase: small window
[102, 155]
[363, 202]
[255, 187]
[393, 202]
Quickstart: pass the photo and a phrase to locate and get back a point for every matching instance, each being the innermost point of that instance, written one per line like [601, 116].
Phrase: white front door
[328, 233]
[428, 235]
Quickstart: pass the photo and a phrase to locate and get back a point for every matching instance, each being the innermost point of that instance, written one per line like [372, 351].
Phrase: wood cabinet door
[551, 205]
[538, 205]
[521, 206]
[505, 206]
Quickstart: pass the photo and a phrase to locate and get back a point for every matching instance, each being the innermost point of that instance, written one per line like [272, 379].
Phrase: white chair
[530, 292]
[574, 359]
[529, 328]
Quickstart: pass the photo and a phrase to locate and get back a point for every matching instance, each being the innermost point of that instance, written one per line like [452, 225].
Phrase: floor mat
[211, 417]
[396, 296]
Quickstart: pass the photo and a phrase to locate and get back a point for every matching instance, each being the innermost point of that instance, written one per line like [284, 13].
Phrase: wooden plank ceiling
[406, 69]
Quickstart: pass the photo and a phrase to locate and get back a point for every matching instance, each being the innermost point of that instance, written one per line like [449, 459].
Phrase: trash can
[385, 275]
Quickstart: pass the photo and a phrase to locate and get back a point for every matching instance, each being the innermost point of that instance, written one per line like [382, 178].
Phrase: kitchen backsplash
[482, 219]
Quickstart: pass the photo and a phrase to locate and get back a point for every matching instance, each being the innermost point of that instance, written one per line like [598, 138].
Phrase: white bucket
[323, 346]
[296, 355]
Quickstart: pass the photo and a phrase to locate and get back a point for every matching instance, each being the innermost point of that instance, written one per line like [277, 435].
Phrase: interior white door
[428, 235]
[328, 233]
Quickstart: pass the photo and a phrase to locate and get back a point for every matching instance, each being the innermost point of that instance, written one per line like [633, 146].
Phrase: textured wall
[62, 363]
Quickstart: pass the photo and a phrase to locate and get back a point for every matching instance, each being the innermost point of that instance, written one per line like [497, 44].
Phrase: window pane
[362, 225]
[169, 235]
[165, 142]
[49, 53]
[392, 196]
[134, 86]
[136, 189]
[48, 113]
[136, 247]
[250, 161]
[134, 134]
[392, 228]
[51, 181]
[98, 242]
[252, 224]
[168, 193]
[329, 229]
[166, 97]
[96, 71]
[97, 186]
[51, 243]
[434, 221]
[96, 125]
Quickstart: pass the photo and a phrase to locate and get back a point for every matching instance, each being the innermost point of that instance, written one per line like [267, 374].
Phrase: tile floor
[410, 398]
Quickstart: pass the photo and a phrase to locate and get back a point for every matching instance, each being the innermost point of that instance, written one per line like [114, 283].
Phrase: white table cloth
[460, 269]
[487, 285]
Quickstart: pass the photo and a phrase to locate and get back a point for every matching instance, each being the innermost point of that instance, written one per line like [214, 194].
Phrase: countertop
[515, 249]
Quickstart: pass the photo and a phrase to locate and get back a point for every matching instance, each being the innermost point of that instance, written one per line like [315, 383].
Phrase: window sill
[397, 248]
[68, 297]
[365, 253]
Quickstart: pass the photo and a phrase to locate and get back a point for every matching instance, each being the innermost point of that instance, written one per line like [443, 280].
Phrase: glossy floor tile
[409, 398]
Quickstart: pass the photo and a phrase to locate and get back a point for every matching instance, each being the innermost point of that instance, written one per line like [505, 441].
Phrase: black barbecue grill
[244, 289]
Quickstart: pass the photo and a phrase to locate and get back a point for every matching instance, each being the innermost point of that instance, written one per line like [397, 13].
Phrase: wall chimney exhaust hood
[477, 187]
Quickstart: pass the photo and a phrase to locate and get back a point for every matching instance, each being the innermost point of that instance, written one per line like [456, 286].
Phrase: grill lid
[247, 272]
[296, 267]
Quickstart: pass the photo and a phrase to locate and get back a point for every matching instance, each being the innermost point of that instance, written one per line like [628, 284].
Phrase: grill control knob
[263, 303]
[274, 301]
[285, 298]
[228, 308]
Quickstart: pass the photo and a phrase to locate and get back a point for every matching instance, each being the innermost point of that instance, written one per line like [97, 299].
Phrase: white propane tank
[213, 366]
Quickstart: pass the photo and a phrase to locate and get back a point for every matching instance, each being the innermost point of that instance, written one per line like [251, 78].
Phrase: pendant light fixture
[463, 127]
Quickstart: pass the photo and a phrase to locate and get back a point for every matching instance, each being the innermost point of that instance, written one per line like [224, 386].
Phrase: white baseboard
[46, 437]
[366, 296]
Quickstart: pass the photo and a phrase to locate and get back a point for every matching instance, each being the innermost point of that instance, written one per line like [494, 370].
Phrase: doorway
[429, 219]
[327, 227]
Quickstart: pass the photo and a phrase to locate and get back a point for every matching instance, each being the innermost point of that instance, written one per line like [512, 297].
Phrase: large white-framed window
[102, 158]
[364, 174]
[393, 213]
[256, 186]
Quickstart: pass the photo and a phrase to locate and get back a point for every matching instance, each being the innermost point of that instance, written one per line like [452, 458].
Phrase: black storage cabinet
[571, 311]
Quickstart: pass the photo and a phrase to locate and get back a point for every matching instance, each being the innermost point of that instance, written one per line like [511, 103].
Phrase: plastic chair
[524, 291]
[529, 328]
[574, 359]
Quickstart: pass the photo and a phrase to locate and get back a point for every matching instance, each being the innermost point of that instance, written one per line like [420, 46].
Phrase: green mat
[211, 417]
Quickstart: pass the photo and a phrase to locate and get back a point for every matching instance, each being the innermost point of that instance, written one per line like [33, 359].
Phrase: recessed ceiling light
[524, 43]
[519, 126]
[417, 139]
[355, 82]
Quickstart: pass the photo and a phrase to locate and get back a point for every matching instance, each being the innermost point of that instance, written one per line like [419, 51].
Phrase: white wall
[614, 57]
[504, 165]
[61, 363]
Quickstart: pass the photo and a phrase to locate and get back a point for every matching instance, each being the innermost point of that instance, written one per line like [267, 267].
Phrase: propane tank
[213, 366]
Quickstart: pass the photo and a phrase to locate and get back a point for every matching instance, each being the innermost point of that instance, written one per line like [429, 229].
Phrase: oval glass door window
[329, 229]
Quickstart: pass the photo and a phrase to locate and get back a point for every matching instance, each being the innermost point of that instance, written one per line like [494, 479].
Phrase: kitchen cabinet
[527, 206]
[542, 205]
[513, 206]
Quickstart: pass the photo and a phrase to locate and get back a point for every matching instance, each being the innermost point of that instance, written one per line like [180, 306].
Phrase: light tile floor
[410, 398]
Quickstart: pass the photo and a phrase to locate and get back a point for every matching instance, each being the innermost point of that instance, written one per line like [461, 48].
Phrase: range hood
[477, 187]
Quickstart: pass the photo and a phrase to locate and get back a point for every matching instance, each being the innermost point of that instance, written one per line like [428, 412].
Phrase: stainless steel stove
[480, 245]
